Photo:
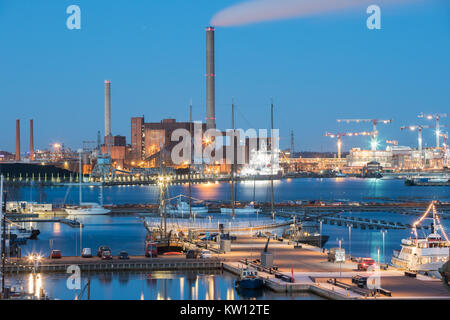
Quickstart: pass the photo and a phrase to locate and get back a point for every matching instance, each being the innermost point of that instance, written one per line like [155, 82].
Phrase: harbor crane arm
[342, 134]
[267, 244]
[374, 131]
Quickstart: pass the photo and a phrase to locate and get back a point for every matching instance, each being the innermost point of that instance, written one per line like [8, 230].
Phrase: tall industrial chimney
[210, 80]
[107, 111]
[17, 140]
[31, 140]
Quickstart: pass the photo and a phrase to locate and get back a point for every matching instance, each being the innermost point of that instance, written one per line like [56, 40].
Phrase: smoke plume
[253, 11]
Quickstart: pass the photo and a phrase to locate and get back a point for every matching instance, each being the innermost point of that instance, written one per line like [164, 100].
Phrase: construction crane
[345, 134]
[419, 128]
[374, 133]
[393, 142]
[445, 136]
[435, 116]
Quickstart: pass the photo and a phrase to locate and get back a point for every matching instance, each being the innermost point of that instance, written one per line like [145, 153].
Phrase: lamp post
[320, 233]
[81, 239]
[340, 262]
[350, 240]
[383, 233]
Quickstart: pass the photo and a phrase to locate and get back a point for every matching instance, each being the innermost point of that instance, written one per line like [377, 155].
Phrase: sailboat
[87, 208]
[234, 209]
[159, 240]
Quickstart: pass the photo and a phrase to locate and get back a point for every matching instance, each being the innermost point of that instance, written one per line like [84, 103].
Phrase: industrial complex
[151, 146]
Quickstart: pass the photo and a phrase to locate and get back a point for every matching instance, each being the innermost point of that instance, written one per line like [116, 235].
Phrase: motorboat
[427, 253]
[249, 279]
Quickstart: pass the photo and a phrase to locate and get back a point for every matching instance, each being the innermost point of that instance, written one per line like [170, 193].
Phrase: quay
[70, 222]
[95, 264]
[298, 269]
[310, 271]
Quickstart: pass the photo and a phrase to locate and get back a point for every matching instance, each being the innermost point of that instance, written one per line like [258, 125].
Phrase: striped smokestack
[17, 140]
[107, 110]
[210, 80]
[31, 140]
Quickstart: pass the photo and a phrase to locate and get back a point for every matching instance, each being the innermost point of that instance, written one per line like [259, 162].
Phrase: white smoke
[253, 11]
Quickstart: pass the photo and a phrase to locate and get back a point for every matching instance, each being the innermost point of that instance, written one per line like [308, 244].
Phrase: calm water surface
[127, 232]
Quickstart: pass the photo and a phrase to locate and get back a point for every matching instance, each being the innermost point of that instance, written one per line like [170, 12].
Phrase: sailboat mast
[232, 165]
[80, 178]
[271, 160]
[3, 222]
[190, 160]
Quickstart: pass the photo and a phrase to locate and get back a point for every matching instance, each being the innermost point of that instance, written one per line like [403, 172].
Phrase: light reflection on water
[127, 232]
[353, 189]
[151, 286]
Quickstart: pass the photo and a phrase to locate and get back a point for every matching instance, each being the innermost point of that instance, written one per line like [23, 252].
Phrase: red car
[56, 254]
[106, 255]
[365, 263]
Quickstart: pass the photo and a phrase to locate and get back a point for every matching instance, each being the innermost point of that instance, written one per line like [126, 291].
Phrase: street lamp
[350, 240]
[320, 233]
[383, 233]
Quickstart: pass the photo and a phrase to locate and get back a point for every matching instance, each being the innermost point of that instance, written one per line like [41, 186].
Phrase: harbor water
[126, 232]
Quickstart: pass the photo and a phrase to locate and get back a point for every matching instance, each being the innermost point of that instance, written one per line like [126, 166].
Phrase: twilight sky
[317, 68]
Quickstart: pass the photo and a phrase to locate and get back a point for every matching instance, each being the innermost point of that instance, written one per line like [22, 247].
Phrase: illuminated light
[374, 144]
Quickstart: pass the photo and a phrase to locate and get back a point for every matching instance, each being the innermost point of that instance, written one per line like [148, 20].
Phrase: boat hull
[82, 212]
[250, 284]
[317, 241]
[239, 210]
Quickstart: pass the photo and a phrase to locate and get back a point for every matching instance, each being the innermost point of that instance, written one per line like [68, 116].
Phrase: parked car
[205, 254]
[123, 255]
[86, 253]
[365, 263]
[101, 249]
[106, 255]
[192, 254]
[56, 254]
[360, 281]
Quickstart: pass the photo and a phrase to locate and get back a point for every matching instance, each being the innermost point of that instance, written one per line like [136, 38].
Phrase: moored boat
[249, 279]
[87, 208]
[424, 254]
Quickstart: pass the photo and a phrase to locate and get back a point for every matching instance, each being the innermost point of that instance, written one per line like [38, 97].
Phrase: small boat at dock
[249, 279]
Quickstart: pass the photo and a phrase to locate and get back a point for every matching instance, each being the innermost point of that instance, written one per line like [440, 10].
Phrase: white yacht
[427, 253]
[87, 208]
[182, 207]
[241, 210]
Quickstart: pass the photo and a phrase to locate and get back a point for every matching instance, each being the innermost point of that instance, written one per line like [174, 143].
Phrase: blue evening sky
[317, 69]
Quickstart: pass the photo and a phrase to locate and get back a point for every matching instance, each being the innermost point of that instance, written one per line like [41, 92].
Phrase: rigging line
[182, 195]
